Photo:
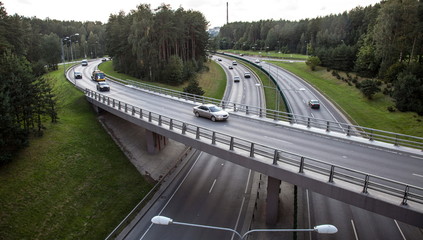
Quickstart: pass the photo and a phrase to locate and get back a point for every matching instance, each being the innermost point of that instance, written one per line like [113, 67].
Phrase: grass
[72, 183]
[368, 113]
[212, 81]
[269, 54]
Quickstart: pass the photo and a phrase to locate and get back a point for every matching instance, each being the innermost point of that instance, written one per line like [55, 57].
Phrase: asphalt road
[402, 167]
[352, 222]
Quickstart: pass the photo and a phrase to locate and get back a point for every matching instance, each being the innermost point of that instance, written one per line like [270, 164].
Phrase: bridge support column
[272, 201]
[155, 142]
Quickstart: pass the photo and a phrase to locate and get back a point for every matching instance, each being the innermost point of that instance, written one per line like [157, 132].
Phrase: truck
[98, 76]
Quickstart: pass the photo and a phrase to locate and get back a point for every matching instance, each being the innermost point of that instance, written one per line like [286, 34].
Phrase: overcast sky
[213, 10]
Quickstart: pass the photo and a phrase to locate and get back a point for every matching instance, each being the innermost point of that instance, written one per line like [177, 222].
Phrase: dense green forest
[163, 45]
[384, 41]
[29, 47]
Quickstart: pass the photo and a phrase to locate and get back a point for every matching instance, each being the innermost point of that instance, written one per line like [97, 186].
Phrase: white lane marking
[312, 115]
[416, 157]
[214, 182]
[168, 201]
[417, 175]
[242, 204]
[402, 234]
[308, 210]
[355, 231]
[248, 180]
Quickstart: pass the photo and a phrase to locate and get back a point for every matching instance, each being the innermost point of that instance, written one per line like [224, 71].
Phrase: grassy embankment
[272, 54]
[213, 81]
[368, 113]
[72, 183]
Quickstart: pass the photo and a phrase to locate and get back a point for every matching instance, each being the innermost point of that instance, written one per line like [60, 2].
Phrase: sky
[213, 10]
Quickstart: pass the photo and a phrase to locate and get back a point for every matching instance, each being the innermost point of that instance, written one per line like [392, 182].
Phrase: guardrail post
[184, 128]
[349, 130]
[108, 101]
[114, 104]
[195, 99]
[214, 138]
[160, 120]
[119, 105]
[231, 145]
[197, 134]
[366, 183]
[141, 113]
[332, 172]
[371, 135]
[133, 110]
[223, 104]
[405, 198]
[246, 110]
[202, 99]
[252, 150]
[327, 126]
[301, 165]
[261, 113]
[275, 157]
[171, 124]
[126, 107]
[308, 122]
[234, 107]
[396, 140]
[149, 116]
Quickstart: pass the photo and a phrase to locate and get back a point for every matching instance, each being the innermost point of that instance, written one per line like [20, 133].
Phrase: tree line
[161, 45]
[29, 47]
[383, 41]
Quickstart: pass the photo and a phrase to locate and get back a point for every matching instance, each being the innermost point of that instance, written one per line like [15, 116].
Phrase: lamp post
[70, 39]
[324, 229]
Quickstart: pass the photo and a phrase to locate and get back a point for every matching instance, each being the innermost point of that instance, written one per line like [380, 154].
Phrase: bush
[313, 62]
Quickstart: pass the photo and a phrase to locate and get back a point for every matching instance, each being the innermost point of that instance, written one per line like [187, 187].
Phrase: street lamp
[324, 229]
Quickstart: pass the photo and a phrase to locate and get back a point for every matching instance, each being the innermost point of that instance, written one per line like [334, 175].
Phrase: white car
[257, 61]
[237, 79]
[211, 111]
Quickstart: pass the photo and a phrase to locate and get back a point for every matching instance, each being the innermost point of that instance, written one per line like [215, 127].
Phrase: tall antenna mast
[227, 12]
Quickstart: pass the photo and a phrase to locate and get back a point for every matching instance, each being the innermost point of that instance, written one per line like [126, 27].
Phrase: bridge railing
[360, 181]
[371, 134]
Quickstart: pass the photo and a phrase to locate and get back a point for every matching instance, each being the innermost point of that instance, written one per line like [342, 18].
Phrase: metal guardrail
[402, 192]
[370, 134]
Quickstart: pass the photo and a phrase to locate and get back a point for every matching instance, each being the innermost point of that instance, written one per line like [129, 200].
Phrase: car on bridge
[103, 86]
[314, 104]
[211, 111]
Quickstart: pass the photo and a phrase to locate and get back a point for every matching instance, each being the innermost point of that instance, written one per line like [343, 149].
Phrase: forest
[29, 47]
[162, 45]
[383, 42]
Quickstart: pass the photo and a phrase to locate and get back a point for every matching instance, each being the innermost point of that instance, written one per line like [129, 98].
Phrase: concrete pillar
[272, 200]
[155, 142]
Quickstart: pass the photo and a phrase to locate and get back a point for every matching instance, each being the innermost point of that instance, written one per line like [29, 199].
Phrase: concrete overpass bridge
[368, 169]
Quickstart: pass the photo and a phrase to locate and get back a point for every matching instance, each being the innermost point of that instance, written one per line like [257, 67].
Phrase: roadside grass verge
[271, 54]
[367, 113]
[212, 81]
[72, 183]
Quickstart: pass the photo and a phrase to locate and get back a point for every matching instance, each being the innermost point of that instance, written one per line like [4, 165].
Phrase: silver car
[211, 111]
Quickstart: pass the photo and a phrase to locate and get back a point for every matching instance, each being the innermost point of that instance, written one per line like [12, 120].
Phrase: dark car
[210, 111]
[103, 86]
[77, 75]
[314, 104]
[230, 67]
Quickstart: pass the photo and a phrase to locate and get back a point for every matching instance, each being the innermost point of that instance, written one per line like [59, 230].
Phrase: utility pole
[227, 12]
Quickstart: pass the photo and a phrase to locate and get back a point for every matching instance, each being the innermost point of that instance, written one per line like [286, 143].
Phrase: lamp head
[326, 229]
[161, 220]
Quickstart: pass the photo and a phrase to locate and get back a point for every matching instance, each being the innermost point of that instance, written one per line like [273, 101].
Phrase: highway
[352, 222]
[335, 151]
[210, 190]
